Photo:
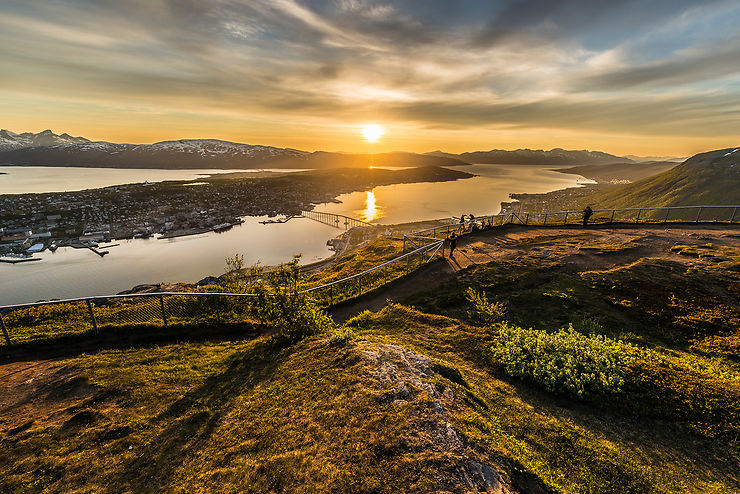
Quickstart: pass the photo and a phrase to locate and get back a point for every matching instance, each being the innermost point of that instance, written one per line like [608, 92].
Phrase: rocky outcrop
[405, 379]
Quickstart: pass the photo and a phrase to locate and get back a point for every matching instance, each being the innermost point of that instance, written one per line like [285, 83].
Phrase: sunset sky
[640, 77]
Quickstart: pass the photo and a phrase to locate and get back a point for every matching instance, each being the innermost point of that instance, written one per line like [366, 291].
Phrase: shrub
[279, 302]
[565, 361]
[341, 337]
[361, 320]
[484, 311]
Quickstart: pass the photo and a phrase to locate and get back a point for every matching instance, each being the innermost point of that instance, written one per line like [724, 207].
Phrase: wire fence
[21, 323]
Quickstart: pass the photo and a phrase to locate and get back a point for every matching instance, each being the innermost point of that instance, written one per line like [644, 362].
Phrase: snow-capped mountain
[10, 140]
[49, 149]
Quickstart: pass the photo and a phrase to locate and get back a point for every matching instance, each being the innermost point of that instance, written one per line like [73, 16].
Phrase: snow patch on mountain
[10, 140]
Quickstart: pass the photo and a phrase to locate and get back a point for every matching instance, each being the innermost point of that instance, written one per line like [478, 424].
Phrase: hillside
[49, 149]
[434, 391]
[711, 178]
[706, 178]
[554, 157]
[412, 398]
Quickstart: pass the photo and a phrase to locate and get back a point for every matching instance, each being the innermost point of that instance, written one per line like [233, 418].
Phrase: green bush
[280, 303]
[565, 361]
[484, 311]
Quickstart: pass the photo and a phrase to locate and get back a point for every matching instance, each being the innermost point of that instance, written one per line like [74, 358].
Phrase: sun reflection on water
[371, 211]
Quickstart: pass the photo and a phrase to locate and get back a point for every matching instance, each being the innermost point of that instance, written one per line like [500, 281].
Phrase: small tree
[280, 303]
[234, 268]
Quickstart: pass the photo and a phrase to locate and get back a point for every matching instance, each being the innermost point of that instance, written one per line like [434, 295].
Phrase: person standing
[587, 213]
[462, 223]
[453, 244]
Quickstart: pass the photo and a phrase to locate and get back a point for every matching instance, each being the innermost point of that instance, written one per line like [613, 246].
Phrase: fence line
[425, 245]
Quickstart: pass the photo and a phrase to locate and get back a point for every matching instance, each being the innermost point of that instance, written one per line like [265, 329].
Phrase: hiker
[462, 223]
[587, 213]
[453, 244]
[473, 224]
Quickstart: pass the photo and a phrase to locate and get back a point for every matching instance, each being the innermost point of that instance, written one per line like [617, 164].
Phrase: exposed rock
[209, 280]
[410, 374]
[481, 477]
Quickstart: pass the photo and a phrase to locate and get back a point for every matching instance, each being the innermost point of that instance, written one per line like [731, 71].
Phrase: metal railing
[48, 319]
[665, 214]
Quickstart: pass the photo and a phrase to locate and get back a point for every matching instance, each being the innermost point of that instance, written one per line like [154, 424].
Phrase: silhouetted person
[453, 244]
[587, 213]
[462, 223]
[473, 224]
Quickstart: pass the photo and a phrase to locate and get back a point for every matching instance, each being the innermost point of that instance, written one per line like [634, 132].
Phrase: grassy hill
[711, 178]
[416, 397]
[706, 178]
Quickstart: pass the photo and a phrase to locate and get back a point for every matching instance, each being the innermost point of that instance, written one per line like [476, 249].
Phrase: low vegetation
[565, 361]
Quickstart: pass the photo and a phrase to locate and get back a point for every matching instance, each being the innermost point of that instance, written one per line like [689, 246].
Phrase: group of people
[464, 221]
[470, 219]
[587, 213]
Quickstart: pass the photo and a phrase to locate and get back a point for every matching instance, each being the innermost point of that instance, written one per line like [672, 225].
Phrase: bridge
[419, 248]
[336, 220]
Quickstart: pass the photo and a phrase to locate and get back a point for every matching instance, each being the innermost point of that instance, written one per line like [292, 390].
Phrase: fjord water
[480, 195]
[72, 272]
[37, 179]
[79, 272]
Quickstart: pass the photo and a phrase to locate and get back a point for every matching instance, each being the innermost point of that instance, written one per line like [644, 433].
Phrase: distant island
[49, 149]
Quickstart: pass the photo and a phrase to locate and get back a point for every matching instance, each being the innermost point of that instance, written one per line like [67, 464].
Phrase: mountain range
[49, 149]
[555, 157]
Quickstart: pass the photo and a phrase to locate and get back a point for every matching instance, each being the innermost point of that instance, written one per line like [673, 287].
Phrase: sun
[372, 132]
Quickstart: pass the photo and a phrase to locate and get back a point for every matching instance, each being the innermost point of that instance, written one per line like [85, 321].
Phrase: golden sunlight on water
[371, 211]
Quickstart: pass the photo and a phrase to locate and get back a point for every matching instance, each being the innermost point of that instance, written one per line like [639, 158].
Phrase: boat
[222, 227]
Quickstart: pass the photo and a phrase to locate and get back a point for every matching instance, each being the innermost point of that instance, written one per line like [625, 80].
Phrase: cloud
[688, 67]
[627, 66]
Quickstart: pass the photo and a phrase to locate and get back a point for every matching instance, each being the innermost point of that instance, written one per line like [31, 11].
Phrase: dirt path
[38, 391]
[579, 249]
